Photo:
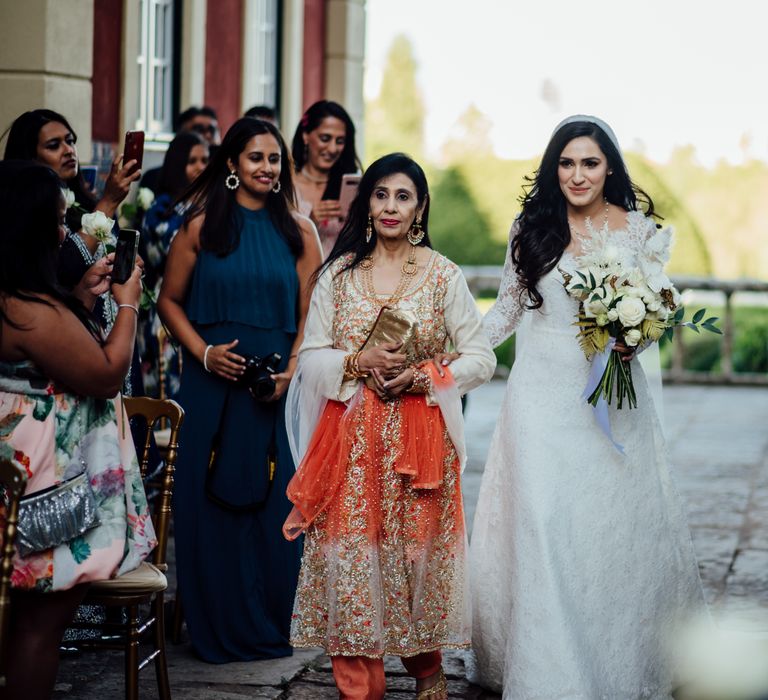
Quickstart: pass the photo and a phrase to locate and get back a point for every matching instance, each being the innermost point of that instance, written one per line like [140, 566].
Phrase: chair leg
[132, 654]
[161, 663]
[178, 619]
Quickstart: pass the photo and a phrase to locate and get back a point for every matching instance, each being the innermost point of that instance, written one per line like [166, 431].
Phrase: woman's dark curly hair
[543, 233]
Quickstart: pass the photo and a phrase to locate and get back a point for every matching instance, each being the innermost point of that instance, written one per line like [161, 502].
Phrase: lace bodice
[558, 310]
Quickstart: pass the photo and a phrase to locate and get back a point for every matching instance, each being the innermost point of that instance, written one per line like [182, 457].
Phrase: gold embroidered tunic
[383, 570]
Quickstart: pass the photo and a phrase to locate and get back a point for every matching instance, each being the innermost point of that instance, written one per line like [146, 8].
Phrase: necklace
[407, 271]
[312, 178]
[588, 223]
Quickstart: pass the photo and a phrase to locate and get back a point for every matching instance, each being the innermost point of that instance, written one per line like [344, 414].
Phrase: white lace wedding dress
[581, 559]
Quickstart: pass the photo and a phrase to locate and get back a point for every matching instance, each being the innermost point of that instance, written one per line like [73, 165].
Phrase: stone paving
[718, 440]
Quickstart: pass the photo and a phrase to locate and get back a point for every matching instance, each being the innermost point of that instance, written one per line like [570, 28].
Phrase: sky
[662, 73]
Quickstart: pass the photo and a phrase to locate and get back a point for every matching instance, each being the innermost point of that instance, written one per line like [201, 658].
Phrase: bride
[581, 558]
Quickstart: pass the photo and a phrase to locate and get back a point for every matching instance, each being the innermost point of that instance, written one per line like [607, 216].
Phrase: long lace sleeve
[504, 316]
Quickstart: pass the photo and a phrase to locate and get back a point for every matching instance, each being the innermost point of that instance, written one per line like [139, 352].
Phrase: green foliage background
[719, 214]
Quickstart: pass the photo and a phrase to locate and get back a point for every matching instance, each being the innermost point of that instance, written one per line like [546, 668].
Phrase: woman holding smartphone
[323, 152]
[60, 419]
[47, 137]
[236, 287]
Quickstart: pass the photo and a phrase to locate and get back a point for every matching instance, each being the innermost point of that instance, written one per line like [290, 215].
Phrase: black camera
[256, 377]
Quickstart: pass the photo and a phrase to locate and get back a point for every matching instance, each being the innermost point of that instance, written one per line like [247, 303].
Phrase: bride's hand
[626, 352]
[443, 359]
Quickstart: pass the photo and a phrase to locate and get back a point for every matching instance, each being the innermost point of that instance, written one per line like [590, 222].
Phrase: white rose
[145, 197]
[612, 314]
[98, 225]
[632, 338]
[69, 196]
[676, 296]
[631, 310]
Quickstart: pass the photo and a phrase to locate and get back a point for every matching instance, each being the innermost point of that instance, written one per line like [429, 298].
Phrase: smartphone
[125, 255]
[349, 184]
[134, 148]
[89, 175]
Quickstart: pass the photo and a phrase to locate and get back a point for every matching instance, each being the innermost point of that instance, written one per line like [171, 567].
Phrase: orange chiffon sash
[417, 440]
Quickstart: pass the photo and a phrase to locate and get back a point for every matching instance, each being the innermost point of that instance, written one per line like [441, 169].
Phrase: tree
[457, 227]
[470, 136]
[395, 120]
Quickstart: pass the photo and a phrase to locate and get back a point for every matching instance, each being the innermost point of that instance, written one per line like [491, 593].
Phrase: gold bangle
[421, 383]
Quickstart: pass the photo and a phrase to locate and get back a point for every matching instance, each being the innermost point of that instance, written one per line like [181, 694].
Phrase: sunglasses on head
[204, 128]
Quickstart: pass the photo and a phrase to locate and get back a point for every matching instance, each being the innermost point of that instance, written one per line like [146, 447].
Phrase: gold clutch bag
[391, 326]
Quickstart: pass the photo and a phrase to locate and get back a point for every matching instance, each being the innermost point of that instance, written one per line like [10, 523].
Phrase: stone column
[344, 58]
[46, 61]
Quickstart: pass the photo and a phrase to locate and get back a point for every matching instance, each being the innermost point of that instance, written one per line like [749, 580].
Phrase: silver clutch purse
[56, 515]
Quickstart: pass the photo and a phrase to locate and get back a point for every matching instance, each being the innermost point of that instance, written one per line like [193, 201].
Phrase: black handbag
[213, 456]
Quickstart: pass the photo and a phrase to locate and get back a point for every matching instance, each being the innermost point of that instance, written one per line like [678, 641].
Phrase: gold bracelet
[352, 367]
[421, 383]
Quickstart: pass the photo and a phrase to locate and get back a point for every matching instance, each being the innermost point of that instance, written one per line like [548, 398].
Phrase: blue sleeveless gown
[236, 573]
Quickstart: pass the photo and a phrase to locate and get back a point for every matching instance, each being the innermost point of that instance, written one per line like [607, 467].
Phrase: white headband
[592, 120]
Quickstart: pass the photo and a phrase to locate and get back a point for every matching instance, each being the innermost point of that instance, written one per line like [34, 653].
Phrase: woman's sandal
[440, 686]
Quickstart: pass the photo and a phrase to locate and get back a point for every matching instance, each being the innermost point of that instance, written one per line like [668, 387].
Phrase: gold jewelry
[369, 230]
[440, 686]
[408, 270]
[416, 233]
[421, 382]
[352, 367]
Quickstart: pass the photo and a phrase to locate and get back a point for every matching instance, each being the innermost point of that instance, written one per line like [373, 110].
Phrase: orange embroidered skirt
[378, 495]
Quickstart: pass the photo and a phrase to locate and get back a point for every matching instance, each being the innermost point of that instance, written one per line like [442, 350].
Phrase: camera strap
[213, 463]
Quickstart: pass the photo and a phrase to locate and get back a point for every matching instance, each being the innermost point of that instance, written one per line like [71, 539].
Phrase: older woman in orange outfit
[378, 491]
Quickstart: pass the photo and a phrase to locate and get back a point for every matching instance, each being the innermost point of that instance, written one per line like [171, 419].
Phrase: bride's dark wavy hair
[352, 236]
[543, 231]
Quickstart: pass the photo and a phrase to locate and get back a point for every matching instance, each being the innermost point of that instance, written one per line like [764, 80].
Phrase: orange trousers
[361, 678]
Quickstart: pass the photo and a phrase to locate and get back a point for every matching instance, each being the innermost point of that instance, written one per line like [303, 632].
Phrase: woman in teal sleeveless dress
[237, 285]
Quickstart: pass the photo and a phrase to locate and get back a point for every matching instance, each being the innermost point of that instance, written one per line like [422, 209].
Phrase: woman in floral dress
[378, 492]
[58, 418]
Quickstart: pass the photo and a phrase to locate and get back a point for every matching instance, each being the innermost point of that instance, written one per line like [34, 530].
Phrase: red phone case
[134, 147]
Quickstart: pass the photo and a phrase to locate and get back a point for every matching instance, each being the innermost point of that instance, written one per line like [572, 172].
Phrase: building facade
[111, 66]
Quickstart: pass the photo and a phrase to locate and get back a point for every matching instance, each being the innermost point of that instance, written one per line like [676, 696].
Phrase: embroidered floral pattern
[401, 591]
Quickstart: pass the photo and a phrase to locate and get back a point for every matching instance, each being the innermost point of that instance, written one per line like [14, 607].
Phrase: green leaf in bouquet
[592, 280]
[582, 275]
[698, 315]
[711, 320]
[578, 286]
[679, 314]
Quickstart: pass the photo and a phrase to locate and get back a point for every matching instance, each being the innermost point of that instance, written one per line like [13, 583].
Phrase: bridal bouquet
[625, 296]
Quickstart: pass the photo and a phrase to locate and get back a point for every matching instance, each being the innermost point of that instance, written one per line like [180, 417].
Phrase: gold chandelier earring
[416, 233]
[369, 230]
